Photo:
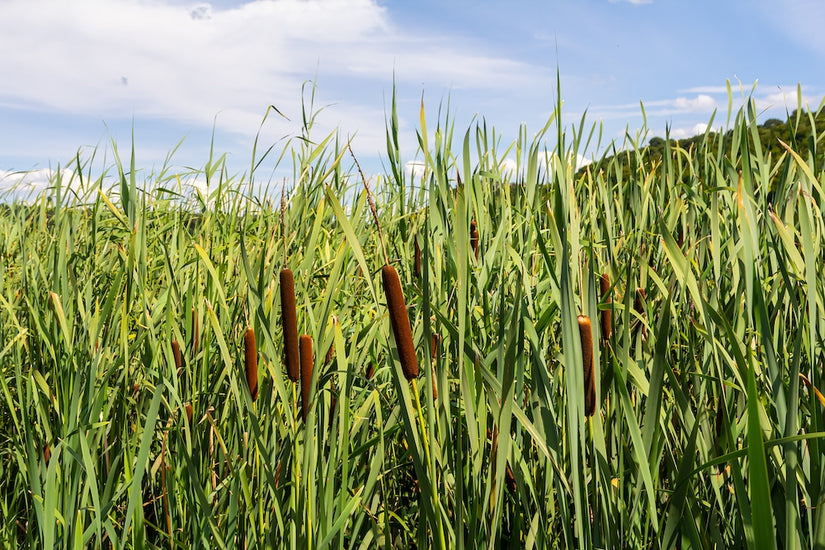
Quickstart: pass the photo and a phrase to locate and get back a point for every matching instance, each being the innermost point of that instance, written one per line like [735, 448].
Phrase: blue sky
[78, 75]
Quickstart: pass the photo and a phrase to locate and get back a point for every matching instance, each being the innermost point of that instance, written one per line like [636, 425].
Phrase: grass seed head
[400, 322]
[289, 319]
[586, 336]
[251, 362]
[306, 372]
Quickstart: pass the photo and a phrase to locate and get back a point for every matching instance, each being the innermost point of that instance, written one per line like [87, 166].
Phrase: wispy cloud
[108, 58]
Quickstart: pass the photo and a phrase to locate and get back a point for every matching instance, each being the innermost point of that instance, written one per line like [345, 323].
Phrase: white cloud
[689, 131]
[132, 58]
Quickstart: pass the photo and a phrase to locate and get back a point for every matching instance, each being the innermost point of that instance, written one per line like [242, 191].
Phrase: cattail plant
[306, 372]
[586, 337]
[474, 237]
[189, 412]
[251, 362]
[370, 371]
[177, 356]
[289, 320]
[400, 322]
[606, 314]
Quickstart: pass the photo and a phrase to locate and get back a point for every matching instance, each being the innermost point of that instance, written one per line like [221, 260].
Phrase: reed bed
[702, 430]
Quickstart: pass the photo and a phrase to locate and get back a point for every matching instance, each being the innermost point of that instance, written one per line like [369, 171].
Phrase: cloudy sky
[79, 75]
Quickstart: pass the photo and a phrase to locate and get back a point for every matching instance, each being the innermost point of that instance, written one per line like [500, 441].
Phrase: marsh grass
[707, 419]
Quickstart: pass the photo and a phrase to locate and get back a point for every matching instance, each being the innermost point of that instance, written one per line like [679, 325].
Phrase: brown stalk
[306, 372]
[251, 362]
[400, 322]
[586, 336]
[289, 320]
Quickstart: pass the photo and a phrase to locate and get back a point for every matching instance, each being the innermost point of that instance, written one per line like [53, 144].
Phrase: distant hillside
[795, 131]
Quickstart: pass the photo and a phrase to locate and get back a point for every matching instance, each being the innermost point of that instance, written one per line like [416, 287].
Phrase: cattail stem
[586, 336]
[289, 320]
[306, 372]
[400, 322]
[251, 362]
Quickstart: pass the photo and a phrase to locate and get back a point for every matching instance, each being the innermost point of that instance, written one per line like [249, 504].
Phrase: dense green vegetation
[708, 423]
[797, 131]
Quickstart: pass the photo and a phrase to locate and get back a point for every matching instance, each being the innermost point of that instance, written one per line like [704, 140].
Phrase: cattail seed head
[330, 355]
[586, 336]
[436, 338]
[251, 362]
[400, 322]
[178, 358]
[370, 371]
[306, 372]
[606, 314]
[189, 411]
[289, 319]
[47, 454]
[474, 237]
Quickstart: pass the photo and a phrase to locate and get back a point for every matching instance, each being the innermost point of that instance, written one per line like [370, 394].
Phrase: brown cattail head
[330, 354]
[400, 322]
[188, 408]
[417, 259]
[435, 385]
[306, 372]
[196, 334]
[47, 454]
[436, 338]
[178, 358]
[586, 336]
[289, 319]
[606, 314]
[251, 362]
[474, 237]
[370, 371]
